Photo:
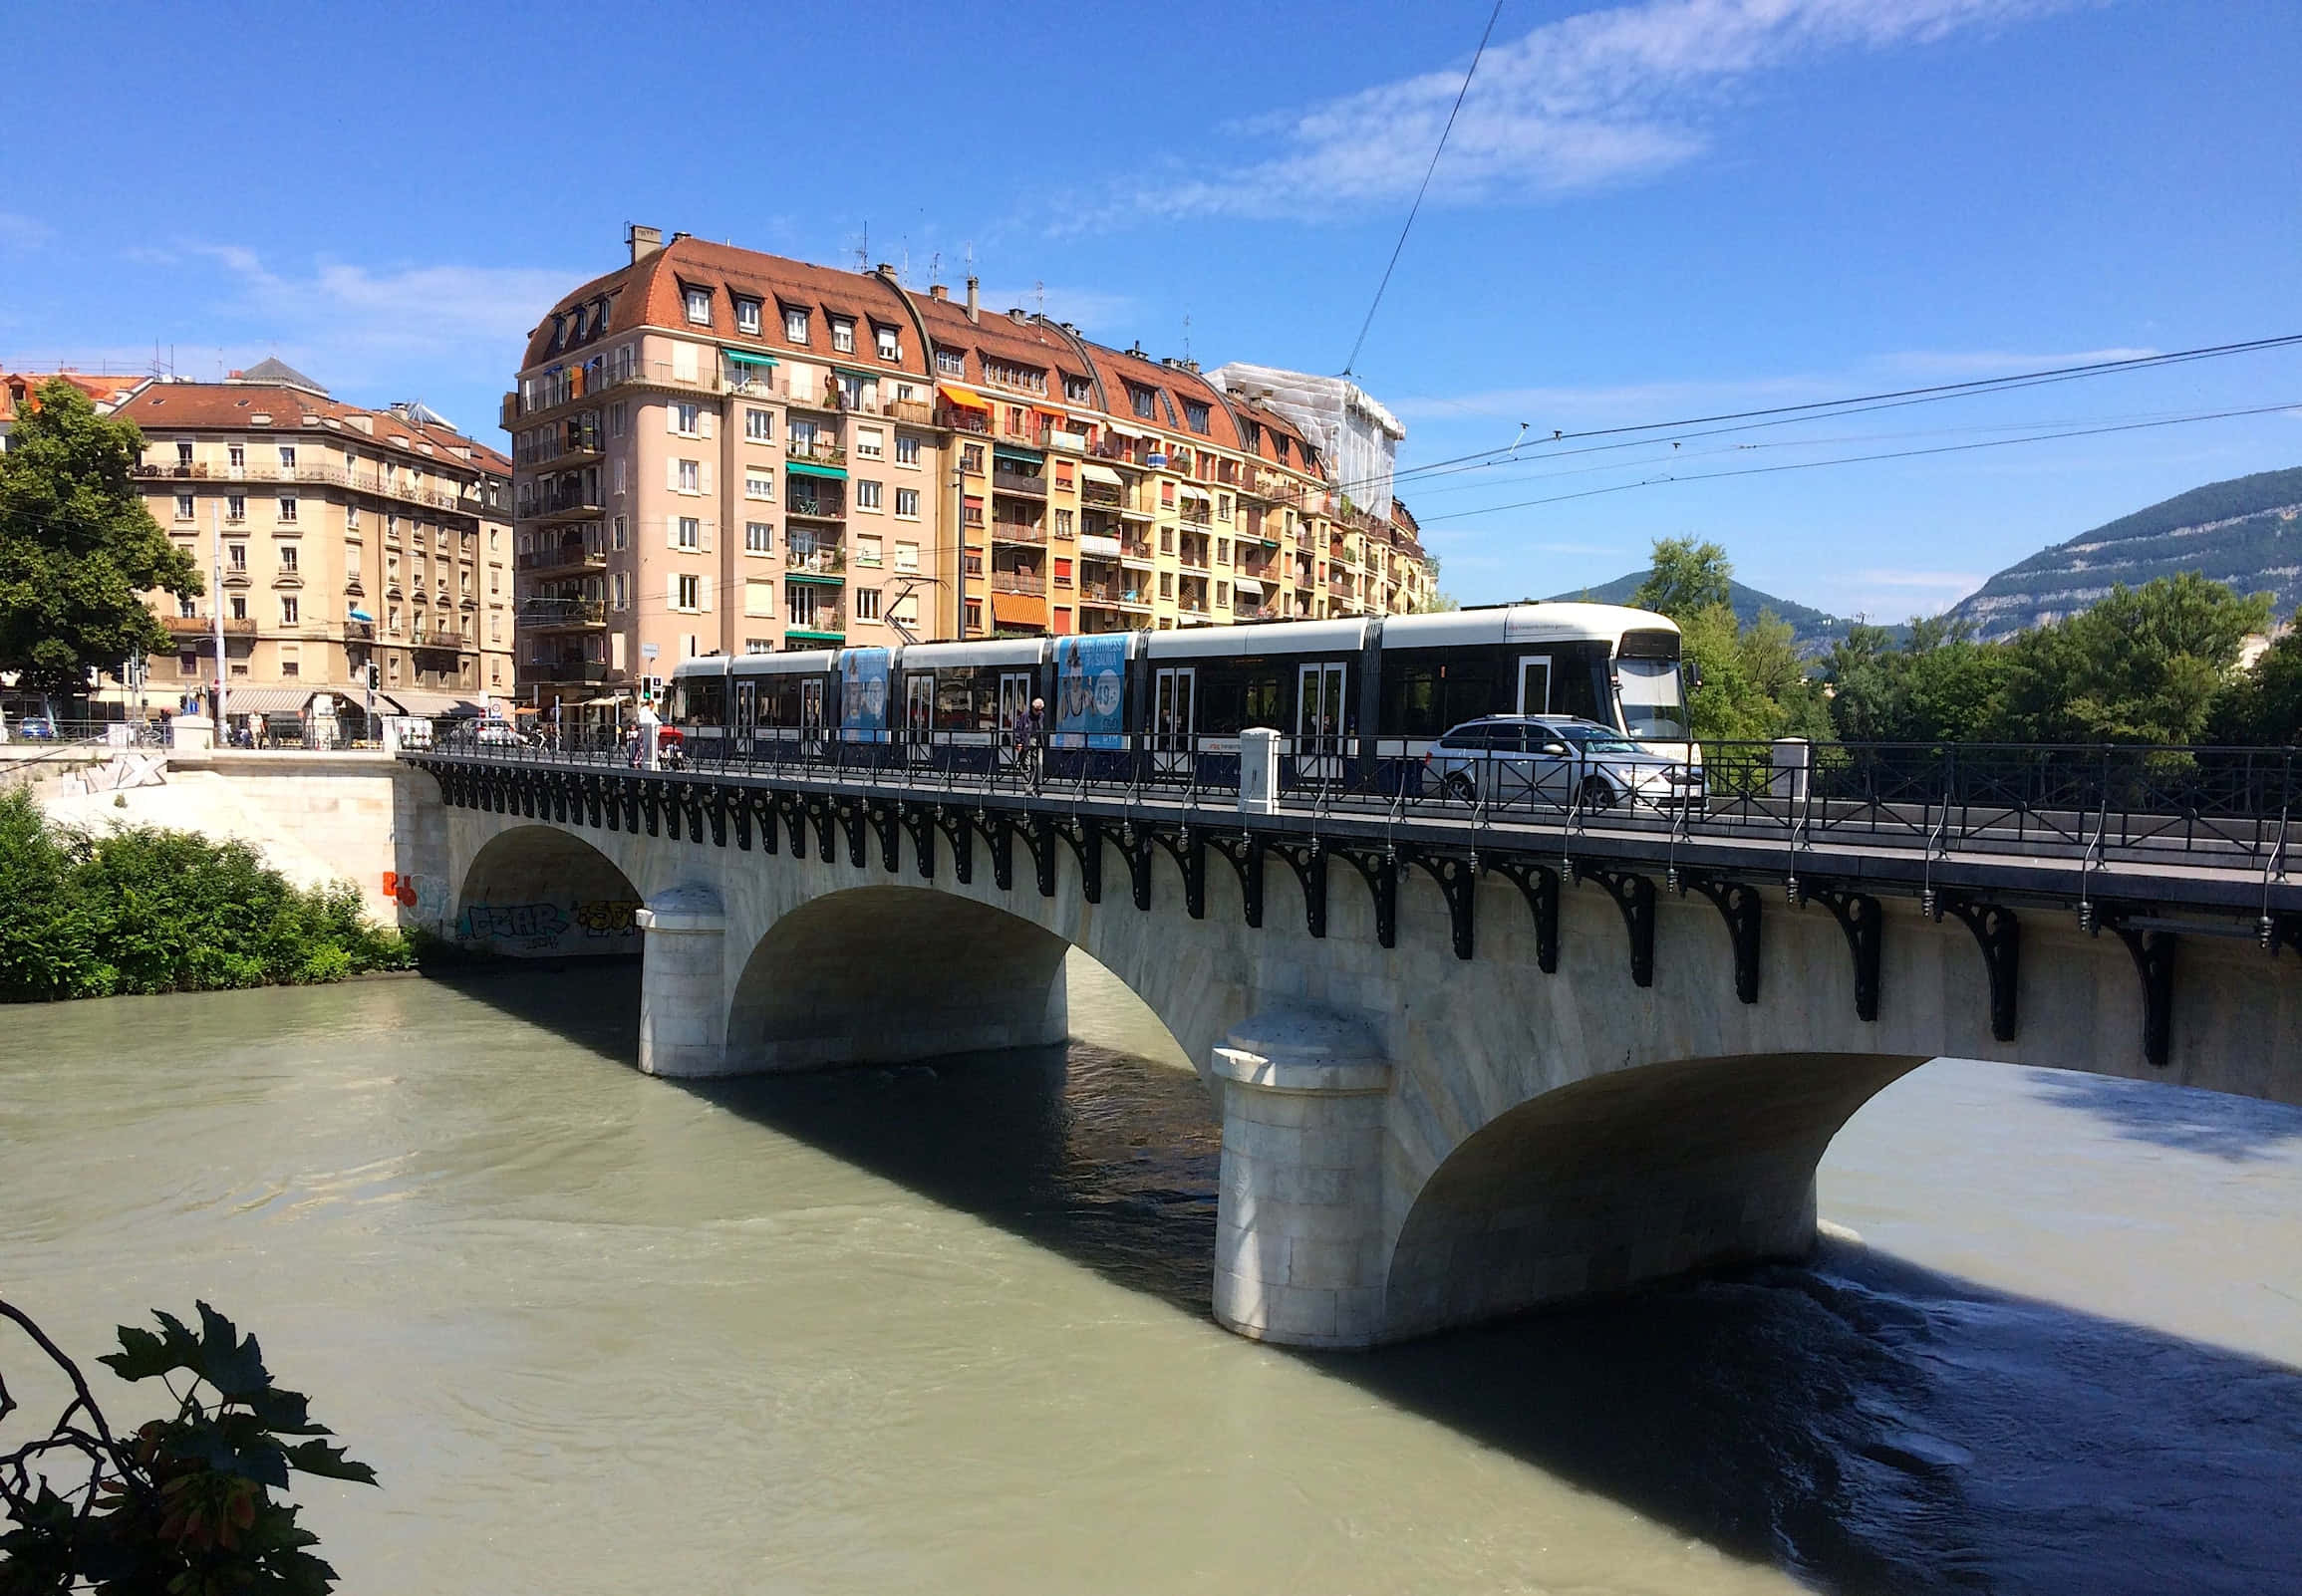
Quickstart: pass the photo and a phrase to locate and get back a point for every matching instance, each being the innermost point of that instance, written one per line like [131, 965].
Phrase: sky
[1647, 212]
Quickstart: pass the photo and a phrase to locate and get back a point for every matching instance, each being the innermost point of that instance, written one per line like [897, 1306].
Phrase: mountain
[2246, 532]
[1813, 629]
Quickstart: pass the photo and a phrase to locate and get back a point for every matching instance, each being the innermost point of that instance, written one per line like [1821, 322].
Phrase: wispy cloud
[1958, 364]
[1085, 308]
[408, 309]
[1603, 96]
[19, 231]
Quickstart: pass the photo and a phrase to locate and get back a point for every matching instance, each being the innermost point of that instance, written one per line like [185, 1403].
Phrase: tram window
[954, 701]
[1469, 690]
[1264, 700]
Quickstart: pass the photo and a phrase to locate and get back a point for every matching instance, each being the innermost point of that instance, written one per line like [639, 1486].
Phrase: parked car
[36, 728]
[1556, 762]
[501, 733]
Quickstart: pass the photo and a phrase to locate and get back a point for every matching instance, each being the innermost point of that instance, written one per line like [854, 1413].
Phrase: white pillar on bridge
[682, 983]
[1299, 1256]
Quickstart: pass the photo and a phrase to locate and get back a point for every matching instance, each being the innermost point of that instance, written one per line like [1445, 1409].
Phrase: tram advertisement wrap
[1090, 675]
[863, 695]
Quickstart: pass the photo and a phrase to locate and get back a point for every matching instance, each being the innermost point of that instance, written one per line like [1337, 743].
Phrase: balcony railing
[818, 507]
[814, 560]
[1006, 481]
[566, 671]
[1018, 532]
[396, 485]
[547, 614]
[194, 625]
[821, 451]
[826, 621]
[1018, 581]
[563, 556]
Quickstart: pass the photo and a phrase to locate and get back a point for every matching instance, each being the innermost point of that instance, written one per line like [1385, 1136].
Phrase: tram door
[1319, 721]
[1173, 721]
[1534, 684]
[1014, 697]
[811, 716]
[919, 712]
[746, 714]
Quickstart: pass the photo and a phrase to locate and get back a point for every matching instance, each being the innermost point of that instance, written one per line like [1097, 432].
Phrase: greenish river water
[944, 1330]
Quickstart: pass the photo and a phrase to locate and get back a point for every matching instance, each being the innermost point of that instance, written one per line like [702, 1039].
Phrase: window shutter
[671, 417]
[705, 533]
[703, 593]
[704, 475]
[709, 419]
[671, 590]
[671, 473]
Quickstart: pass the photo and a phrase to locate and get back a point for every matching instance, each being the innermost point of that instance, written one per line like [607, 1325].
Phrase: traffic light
[375, 675]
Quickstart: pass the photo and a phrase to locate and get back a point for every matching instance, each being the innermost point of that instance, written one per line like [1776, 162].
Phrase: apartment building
[719, 450]
[345, 537]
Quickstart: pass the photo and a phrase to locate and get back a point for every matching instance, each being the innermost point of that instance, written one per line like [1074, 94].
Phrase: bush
[139, 910]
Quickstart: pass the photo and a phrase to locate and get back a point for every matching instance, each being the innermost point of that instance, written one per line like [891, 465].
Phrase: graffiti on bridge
[609, 916]
[543, 926]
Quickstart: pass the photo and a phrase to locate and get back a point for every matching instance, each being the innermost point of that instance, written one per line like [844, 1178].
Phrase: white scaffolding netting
[1356, 437]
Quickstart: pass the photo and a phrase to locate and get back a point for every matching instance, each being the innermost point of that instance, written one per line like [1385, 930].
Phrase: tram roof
[1521, 623]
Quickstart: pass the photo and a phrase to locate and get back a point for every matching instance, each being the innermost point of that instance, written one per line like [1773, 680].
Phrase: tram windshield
[1652, 704]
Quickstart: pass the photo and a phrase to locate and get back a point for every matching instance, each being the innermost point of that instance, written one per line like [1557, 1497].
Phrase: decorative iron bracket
[1188, 847]
[1539, 885]
[1859, 916]
[1380, 868]
[652, 803]
[1634, 894]
[2154, 957]
[630, 786]
[886, 817]
[2000, 934]
[1458, 879]
[999, 832]
[854, 822]
[1135, 848]
[1245, 856]
[1038, 831]
[819, 810]
[919, 819]
[1085, 835]
[1309, 862]
[955, 826]
[1738, 905]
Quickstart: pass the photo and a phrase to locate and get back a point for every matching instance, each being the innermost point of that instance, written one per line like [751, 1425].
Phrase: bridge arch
[887, 975]
[540, 892]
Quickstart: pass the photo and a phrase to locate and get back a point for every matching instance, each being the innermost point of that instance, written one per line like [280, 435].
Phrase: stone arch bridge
[1460, 1073]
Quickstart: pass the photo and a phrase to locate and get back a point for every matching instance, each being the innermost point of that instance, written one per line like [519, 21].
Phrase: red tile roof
[159, 408]
[17, 389]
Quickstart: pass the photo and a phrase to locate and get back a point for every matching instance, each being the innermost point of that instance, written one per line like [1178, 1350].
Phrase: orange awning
[962, 396]
[1019, 609]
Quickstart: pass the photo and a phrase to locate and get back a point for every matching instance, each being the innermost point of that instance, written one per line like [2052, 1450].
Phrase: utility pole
[217, 606]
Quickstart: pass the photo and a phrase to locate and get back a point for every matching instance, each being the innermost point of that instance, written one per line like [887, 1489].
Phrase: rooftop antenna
[1186, 335]
[863, 250]
[934, 267]
[1039, 296]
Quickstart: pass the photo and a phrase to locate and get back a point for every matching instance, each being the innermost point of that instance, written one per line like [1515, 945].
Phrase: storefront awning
[1098, 544]
[962, 396]
[1248, 585]
[744, 356]
[1019, 610]
[837, 474]
[411, 701]
[1008, 451]
[266, 701]
[1103, 474]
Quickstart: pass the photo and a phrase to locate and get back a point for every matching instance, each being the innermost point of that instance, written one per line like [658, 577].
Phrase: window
[236, 556]
[700, 306]
[618, 476]
[870, 443]
[287, 608]
[972, 459]
[287, 506]
[1078, 390]
[183, 451]
[688, 533]
[843, 335]
[237, 455]
[239, 607]
[287, 557]
[1143, 401]
[907, 556]
[890, 346]
[686, 420]
[616, 414]
[759, 644]
[866, 495]
[1223, 507]
[951, 361]
[350, 514]
[1062, 523]
[1010, 375]
[795, 324]
[867, 551]
[619, 536]
[759, 538]
[619, 590]
[866, 604]
[759, 597]
[1222, 551]
[759, 482]
[1194, 416]
[188, 664]
[907, 451]
[1016, 425]
[1167, 583]
[907, 503]
[975, 615]
[287, 456]
[187, 609]
[760, 425]
[688, 594]
[1062, 573]
[184, 506]
[747, 317]
[1166, 540]
[690, 477]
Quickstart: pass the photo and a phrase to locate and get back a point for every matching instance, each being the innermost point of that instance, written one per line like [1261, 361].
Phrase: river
[944, 1330]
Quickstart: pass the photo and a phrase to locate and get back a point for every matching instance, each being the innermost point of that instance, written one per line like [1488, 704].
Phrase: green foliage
[185, 1505]
[149, 910]
[77, 546]
[2264, 705]
[1940, 686]
[1686, 577]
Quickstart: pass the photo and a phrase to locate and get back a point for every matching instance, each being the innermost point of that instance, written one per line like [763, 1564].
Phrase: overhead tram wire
[1860, 459]
[1417, 208]
[1822, 409]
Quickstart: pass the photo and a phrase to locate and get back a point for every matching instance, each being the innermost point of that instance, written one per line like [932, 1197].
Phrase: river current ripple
[944, 1329]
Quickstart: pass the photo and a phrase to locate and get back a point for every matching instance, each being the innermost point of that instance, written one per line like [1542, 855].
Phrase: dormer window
[747, 317]
[1078, 390]
[890, 346]
[1194, 416]
[951, 363]
[700, 306]
[842, 335]
[1144, 402]
[795, 324]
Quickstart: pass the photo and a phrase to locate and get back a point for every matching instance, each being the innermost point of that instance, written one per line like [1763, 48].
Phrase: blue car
[36, 728]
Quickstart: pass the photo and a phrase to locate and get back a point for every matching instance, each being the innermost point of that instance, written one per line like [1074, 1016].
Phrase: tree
[2264, 705]
[77, 549]
[1940, 686]
[2145, 664]
[1686, 577]
[181, 1504]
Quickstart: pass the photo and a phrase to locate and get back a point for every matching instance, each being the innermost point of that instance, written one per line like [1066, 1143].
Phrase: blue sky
[1649, 210]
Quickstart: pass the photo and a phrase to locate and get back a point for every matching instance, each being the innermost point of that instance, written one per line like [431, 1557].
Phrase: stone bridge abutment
[1412, 1139]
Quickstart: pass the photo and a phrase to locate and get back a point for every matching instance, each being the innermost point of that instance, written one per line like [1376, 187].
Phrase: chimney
[644, 241]
[974, 302]
[886, 269]
[936, 291]
[1016, 314]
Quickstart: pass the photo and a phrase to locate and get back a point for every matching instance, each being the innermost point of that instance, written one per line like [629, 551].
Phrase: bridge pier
[682, 983]
[1299, 1244]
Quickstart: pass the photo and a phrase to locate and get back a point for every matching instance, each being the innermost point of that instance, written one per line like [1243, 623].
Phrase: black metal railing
[2227, 807]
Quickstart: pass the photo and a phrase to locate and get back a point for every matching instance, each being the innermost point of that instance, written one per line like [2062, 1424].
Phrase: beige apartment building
[720, 450]
[345, 537]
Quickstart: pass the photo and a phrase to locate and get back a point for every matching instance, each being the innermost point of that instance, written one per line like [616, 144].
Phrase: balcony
[554, 672]
[193, 626]
[566, 504]
[961, 419]
[816, 506]
[562, 615]
[1022, 482]
[821, 560]
[818, 450]
[395, 485]
[573, 555]
[826, 623]
[1018, 532]
[1017, 581]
